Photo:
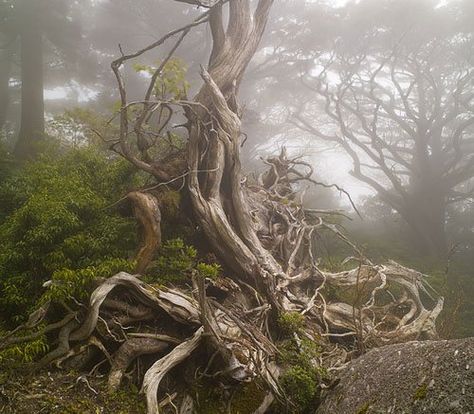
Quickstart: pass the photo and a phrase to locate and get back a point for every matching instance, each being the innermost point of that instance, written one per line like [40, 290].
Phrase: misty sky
[331, 165]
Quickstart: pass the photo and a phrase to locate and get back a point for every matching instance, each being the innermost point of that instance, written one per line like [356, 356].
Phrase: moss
[214, 400]
[290, 322]
[363, 409]
[302, 354]
[209, 398]
[300, 387]
[420, 393]
[121, 402]
[126, 401]
[303, 375]
[247, 398]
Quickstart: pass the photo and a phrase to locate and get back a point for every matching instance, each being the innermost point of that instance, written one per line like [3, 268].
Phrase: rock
[431, 377]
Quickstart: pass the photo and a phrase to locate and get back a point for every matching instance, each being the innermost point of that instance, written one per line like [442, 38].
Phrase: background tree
[7, 47]
[403, 104]
[32, 104]
[37, 35]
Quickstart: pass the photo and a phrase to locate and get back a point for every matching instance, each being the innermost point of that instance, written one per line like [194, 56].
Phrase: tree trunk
[426, 214]
[5, 71]
[32, 103]
[218, 198]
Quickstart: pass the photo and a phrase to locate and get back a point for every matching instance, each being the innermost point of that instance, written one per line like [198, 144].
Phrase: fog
[375, 95]
[97, 27]
[223, 205]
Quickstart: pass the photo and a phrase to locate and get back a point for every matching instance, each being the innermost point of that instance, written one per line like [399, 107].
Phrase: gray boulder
[431, 377]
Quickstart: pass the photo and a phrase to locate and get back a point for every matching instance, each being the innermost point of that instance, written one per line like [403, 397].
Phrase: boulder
[430, 377]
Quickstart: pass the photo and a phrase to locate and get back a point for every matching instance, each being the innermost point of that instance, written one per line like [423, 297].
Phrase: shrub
[209, 271]
[59, 223]
[175, 263]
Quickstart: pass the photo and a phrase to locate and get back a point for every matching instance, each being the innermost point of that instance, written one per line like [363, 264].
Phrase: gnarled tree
[259, 230]
[402, 109]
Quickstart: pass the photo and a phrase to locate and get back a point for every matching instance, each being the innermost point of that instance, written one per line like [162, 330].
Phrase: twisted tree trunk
[218, 197]
[147, 211]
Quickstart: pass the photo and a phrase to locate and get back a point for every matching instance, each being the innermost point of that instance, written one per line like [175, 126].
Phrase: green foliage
[80, 126]
[291, 322]
[6, 163]
[174, 263]
[68, 283]
[171, 84]
[58, 224]
[209, 271]
[25, 352]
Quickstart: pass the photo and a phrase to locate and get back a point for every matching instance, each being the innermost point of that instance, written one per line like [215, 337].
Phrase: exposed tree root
[128, 351]
[236, 331]
[161, 367]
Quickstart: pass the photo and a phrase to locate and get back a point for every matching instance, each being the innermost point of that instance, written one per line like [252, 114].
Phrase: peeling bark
[147, 212]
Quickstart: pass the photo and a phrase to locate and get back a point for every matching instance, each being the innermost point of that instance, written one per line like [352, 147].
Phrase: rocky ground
[432, 377]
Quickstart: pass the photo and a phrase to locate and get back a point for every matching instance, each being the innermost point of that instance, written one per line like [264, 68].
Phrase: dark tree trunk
[32, 104]
[426, 214]
[5, 72]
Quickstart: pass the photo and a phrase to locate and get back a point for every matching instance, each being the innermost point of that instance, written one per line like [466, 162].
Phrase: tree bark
[147, 212]
[217, 194]
[32, 101]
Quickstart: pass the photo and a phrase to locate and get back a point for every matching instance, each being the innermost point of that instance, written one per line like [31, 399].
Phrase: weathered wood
[160, 368]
